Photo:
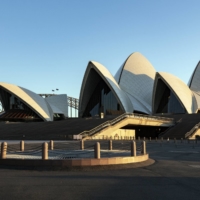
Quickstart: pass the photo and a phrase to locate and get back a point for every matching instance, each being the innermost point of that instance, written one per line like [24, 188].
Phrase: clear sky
[46, 44]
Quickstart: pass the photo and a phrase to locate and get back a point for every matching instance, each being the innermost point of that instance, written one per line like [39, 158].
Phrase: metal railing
[120, 118]
[192, 131]
[72, 103]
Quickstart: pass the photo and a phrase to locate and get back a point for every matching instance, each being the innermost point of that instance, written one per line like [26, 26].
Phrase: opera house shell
[129, 91]
[137, 88]
[20, 104]
[171, 95]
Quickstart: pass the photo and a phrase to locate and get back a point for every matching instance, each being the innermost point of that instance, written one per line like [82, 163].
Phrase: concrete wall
[197, 133]
[116, 135]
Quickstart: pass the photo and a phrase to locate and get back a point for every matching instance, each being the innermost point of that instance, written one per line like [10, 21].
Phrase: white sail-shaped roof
[179, 88]
[31, 99]
[90, 81]
[194, 83]
[136, 77]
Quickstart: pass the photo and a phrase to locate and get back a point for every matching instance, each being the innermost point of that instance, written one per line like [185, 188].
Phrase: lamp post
[55, 90]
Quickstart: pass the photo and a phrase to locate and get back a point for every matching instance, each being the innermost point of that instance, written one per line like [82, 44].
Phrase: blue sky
[46, 44]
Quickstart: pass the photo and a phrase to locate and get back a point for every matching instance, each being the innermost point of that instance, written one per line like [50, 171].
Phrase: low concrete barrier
[75, 162]
[97, 160]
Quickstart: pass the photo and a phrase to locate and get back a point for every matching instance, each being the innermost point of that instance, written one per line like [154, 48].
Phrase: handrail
[121, 117]
[192, 131]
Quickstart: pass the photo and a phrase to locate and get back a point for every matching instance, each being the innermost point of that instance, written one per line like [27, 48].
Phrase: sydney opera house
[137, 88]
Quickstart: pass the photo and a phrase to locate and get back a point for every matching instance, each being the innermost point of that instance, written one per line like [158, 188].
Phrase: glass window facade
[166, 101]
[102, 100]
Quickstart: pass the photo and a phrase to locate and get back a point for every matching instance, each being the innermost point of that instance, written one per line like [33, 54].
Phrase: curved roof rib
[90, 81]
[179, 88]
[194, 83]
[31, 99]
[136, 77]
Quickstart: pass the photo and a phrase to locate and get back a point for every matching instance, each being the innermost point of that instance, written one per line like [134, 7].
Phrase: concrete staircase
[65, 129]
[57, 130]
[184, 123]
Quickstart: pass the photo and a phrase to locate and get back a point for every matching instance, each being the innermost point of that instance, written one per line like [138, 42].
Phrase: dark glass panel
[166, 101]
[102, 100]
[15, 107]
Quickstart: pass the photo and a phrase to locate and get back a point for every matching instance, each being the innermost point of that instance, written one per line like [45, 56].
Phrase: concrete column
[51, 144]
[144, 148]
[133, 149]
[82, 144]
[3, 150]
[110, 145]
[22, 145]
[45, 151]
[97, 150]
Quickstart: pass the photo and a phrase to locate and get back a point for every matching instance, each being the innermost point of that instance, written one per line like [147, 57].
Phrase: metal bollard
[174, 140]
[22, 145]
[133, 149]
[150, 139]
[139, 138]
[144, 139]
[3, 150]
[82, 144]
[51, 144]
[144, 148]
[97, 150]
[110, 145]
[156, 139]
[181, 140]
[45, 151]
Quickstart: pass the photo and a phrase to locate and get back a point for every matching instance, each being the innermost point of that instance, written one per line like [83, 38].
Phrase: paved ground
[174, 175]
